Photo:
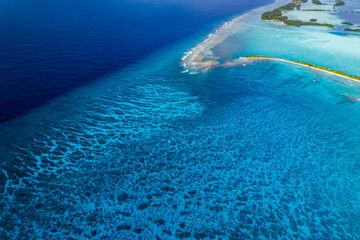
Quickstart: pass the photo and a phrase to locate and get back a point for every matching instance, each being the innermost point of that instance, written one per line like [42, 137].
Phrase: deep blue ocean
[103, 136]
[50, 47]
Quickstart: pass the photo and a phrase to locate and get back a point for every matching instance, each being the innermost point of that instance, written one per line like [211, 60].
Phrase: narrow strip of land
[306, 64]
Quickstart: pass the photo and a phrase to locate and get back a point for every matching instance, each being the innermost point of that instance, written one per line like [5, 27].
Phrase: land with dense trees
[339, 3]
[352, 29]
[277, 15]
[317, 2]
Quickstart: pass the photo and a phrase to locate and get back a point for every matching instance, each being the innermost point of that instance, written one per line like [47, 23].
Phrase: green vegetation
[298, 23]
[299, 2]
[317, 2]
[352, 29]
[347, 23]
[273, 15]
[327, 70]
[288, 7]
[276, 15]
[295, 23]
[319, 24]
[311, 65]
[313, 20]
[339, 3]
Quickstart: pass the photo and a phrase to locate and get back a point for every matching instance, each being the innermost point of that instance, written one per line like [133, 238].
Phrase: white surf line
[220, 34]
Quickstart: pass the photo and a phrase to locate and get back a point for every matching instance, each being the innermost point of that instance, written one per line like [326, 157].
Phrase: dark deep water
[142, 150]
[50, 47]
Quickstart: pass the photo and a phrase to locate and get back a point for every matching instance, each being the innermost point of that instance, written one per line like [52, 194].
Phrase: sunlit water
[268, 150]
[322, 46]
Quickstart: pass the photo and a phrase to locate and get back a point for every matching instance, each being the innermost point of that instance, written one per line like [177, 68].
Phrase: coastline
[201, 58]
[192, 59]
[355, 78]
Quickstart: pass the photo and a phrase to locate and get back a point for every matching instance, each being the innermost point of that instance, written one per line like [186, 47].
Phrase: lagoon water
[263, 151]
[320, 46]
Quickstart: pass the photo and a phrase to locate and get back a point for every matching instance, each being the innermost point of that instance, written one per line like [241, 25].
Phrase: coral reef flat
[267, 38]
[194, 142]
[155, 152]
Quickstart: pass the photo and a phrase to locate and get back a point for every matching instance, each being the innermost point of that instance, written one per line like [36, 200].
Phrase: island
[339, 3]
[247, 28]
[306, 64]
[276, 15]
[352, 29]
[317, 2]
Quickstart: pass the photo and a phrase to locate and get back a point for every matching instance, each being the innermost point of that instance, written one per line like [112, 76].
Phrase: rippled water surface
[259, 151]
[48, 48]
[263, 151]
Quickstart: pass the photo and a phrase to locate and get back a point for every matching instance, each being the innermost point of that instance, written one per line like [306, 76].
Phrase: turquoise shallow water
[261, 151]
[322, 46]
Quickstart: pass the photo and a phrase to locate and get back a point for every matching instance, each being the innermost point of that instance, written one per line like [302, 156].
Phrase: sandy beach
[295, 63]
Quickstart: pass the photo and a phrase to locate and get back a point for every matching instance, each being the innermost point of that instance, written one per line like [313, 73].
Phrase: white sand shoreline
[304, 65]
[192, 59]
[202, 58]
